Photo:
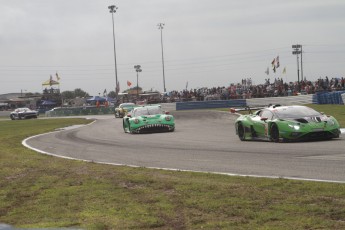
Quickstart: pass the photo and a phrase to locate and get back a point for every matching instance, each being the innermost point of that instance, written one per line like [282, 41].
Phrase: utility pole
[160, 27]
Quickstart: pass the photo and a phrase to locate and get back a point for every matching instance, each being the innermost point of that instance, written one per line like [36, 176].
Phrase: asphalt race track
[203, 141]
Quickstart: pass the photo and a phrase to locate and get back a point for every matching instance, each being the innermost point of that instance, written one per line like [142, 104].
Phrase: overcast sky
[206, 43]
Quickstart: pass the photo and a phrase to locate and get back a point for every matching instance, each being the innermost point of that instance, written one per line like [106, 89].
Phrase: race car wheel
[12, 117]
[241, 132]
[274, 133]
[124, 128]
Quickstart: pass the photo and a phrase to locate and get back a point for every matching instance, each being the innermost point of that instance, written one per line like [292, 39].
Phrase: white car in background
[23, 113]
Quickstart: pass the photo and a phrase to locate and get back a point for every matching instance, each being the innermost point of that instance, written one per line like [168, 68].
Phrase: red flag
[129, 83]
[273, 62]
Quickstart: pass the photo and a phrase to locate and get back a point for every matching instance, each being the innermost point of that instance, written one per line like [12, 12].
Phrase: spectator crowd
[246, 89]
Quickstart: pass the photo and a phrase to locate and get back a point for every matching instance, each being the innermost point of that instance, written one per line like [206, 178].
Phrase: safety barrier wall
[210, 104]
[80, 111]
[253, 102]
[319, 98]
[326, 97]
[337, 97]
[290, 100]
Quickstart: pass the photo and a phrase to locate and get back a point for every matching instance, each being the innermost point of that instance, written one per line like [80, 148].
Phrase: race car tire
[12, 117]
[123, 125]
[274, 133]
[241, 132]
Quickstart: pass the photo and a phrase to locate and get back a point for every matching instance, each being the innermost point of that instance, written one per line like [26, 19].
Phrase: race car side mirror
[264, 118]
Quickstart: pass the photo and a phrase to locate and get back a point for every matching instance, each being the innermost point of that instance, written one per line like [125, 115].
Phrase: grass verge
[39, 191]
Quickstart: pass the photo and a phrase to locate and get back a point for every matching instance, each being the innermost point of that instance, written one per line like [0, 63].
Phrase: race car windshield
[147, 111]
[22, 110]
[296, 112]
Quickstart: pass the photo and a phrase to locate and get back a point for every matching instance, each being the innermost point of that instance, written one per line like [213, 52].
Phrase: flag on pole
[57, 76]
[105, 92]
[273, 62]
[186, 85]
[284, 70]
[274, 65]
[267, 71]
[277, 62]
[129, 83]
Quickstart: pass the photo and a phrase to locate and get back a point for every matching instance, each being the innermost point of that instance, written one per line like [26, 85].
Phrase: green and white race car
[287, 123]
[148, 119]
[123, 109]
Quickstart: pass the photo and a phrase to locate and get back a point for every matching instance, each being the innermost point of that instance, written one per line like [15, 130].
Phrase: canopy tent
[50, 82]
[46, 102]
[96, 98]
[110, 99]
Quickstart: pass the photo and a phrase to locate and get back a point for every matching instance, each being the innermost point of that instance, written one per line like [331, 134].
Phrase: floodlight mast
[137, 69]
[113, 9]
[160, 27]
[297, 49]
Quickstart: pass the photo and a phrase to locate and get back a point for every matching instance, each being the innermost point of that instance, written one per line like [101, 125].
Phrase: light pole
[113, 9]
[298, 50]
[160, 27]
[137, 69]
[21, 92]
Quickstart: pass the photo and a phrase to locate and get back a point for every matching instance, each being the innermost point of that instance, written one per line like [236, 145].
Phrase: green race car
[123, 109]
[148, 119]
[286, 123]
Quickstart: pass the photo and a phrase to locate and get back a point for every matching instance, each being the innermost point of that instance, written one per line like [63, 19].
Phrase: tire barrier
[326, 97]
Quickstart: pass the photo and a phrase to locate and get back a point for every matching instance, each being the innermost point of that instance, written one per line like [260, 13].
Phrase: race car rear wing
[249, 109]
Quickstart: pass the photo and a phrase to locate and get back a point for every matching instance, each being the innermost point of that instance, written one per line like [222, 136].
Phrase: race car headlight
[331, 122]
[168, 118]
[136, 121]
[295, 127]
